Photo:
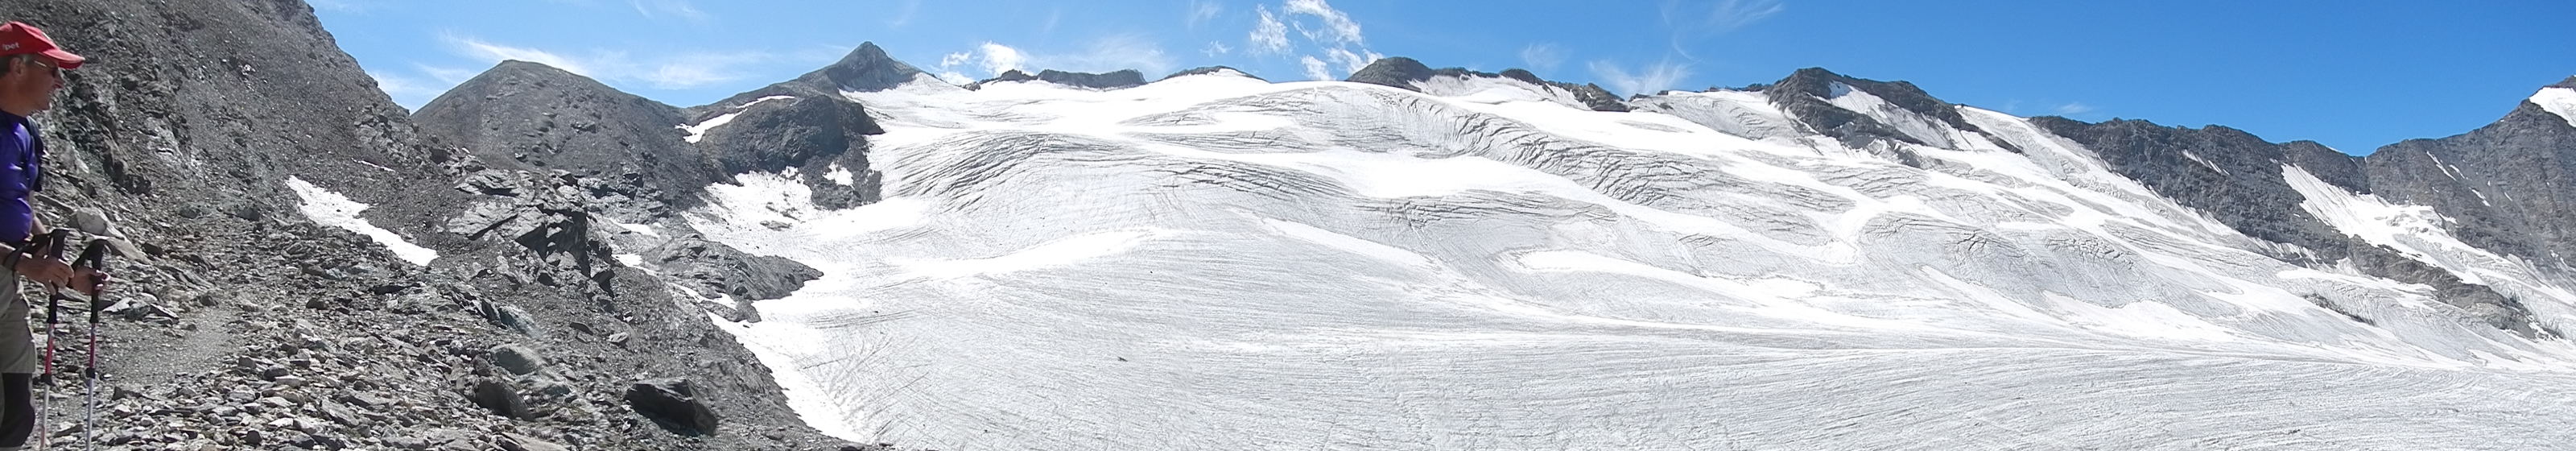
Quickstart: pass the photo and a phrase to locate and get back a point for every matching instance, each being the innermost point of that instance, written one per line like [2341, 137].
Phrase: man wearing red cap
[31, 69]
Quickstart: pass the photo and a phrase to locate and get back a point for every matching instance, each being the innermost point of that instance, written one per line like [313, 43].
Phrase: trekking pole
[49, 246]
[94, 258]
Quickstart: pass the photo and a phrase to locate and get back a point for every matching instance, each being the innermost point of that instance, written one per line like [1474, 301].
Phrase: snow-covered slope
[1468, 88]
[2559, 101]
[1218, 262]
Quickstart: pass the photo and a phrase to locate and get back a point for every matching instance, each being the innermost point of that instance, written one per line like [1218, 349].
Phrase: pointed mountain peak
[513, 77]
[867, 68]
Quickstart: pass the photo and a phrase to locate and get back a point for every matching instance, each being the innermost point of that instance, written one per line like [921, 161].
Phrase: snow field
[1215, 262]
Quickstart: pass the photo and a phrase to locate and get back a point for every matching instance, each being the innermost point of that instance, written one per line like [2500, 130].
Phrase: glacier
[1214, 261]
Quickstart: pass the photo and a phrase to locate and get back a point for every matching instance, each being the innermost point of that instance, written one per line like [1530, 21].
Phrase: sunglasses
[47, 67]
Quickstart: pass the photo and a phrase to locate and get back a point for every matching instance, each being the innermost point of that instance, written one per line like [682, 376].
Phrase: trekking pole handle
[49, 246]
[94, 258]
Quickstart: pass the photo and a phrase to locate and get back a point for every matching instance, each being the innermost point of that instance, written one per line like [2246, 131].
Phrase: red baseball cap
[20, 38]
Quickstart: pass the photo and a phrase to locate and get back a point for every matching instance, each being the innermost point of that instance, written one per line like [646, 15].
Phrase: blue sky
[2352, 74]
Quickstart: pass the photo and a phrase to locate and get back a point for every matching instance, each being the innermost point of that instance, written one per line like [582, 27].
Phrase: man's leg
[19, 364]
[17, 410]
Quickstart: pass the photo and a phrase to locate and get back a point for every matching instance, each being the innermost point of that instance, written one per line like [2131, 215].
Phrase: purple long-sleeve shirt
[20, 150]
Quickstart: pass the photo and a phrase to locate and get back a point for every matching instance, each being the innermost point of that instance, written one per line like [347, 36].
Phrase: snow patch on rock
[332, 209]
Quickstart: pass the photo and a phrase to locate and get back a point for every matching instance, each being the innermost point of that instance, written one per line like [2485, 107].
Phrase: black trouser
[17, 409]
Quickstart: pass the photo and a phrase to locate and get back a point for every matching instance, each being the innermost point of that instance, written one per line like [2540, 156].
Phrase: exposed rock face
[1394, 71]
[1121, 79]
[2237, 178]
[864, 69]
[261, 329]
[1211, 70]
[806, 124]
[824, 139]
[1407, 73]
[674, 404]
[2505, 183]
[529, 116]
[1808, 96]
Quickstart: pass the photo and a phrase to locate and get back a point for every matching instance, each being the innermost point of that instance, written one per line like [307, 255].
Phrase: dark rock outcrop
[1807, 93]
[1121, 79]
[866, 68]
[1211, 70]
[2505, 184]
[674, 404]
[1401, 72]
[809, 126]
[713, 269]
[528, 116]
[1394, 71]
[2237, 178]
[1006, 76]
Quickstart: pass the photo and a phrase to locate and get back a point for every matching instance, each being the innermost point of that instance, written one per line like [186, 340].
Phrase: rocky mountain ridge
[219, 135]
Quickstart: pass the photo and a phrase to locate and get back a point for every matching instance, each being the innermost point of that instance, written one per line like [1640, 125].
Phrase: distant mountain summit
[866, 68]
[1120, 79]
[1212, 70]
[1822, 99]
[524, 115]
[1409, 74]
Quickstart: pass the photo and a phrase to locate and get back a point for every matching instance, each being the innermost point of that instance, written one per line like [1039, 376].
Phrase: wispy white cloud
[1351, 61]
[997, 58]
[1332, 35]
[1202, 11]
[1316, 69]
[1650, 79]
[989, 59]
[660, 70]
[1269, 35]
[1054, 17]
[1691, 21]
[671, 9]
[2072, 108]
[1215, 48]
[477, 49]
[903, 14]
[1542, 57]
[690, 71]
[948, 67]
[1337, 27]
[1731, 15]
[1108, 53]
[407, 91]
[1115, 52]
[449, 76]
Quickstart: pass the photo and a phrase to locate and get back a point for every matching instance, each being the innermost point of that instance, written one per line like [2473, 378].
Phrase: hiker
[30, 71]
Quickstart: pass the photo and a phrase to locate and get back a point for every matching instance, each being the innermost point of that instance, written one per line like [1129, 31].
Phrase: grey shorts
[17, 337]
